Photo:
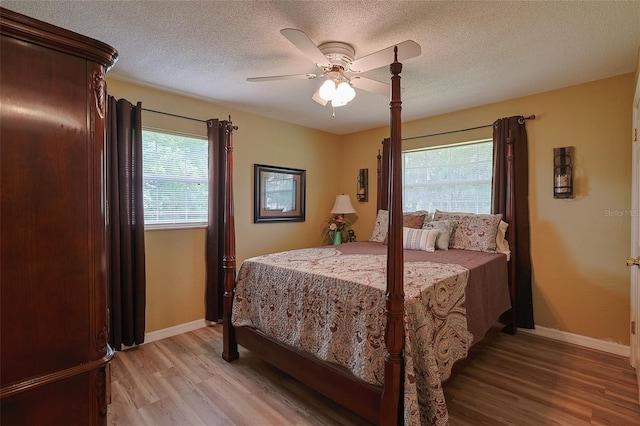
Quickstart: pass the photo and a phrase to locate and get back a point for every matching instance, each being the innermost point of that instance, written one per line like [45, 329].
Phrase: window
[452, 178]
[279, 192]
[175, 180]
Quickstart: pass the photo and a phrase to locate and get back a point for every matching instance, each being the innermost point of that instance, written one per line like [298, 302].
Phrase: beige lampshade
[343, 205]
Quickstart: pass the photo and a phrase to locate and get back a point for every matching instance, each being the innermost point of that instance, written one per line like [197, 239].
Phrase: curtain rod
[521, 120]
[174, 115]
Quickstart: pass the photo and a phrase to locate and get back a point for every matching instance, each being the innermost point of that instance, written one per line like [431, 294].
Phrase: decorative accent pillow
[414, 219]
[446, 228]
[428, 217]
[474, 231]
[381, 228]
[419, 239]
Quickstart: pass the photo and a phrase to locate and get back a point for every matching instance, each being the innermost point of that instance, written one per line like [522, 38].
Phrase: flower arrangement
[337, 224]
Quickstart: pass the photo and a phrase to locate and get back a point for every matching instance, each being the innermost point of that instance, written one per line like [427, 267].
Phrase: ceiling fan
[336, 60]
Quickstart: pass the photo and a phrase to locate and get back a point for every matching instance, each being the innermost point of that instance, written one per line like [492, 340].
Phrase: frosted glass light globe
[345, 92]
[327, 90]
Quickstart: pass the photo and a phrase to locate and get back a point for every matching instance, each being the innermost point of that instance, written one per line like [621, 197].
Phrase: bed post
[230, 346]
[511, 220]
[391, 404]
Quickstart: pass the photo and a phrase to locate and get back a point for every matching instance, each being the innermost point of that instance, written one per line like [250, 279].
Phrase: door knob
[631, 261]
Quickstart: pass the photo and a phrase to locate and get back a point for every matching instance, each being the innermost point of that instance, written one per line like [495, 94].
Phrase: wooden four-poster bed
[393, 334]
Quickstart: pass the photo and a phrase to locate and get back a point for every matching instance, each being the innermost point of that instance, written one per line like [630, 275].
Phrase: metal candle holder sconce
[362, 192]
[563, 172]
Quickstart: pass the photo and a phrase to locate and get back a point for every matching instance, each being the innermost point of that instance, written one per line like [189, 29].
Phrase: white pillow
[419, 239]
[502, 245]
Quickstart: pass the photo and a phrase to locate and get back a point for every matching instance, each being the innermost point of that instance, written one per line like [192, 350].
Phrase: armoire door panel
[44, 213]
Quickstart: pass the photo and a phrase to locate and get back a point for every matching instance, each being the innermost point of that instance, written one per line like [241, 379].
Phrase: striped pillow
[420, 239]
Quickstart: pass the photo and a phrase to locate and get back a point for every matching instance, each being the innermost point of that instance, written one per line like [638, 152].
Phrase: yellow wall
[175, 258]
[580, 282]
[579, 246]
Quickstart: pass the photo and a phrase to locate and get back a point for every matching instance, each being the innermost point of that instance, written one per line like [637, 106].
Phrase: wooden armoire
[53, 296]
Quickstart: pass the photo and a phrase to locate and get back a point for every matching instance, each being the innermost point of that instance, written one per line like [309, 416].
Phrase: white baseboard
[172, 331]
[576, 339]
[563, 336]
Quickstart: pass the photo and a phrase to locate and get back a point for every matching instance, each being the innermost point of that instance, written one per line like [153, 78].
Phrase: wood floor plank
[122, 410]
[523, 380]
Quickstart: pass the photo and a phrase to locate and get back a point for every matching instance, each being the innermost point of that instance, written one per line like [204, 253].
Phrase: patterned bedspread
[332, 305]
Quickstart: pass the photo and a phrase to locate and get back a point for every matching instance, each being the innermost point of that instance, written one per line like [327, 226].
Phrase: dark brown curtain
[125, 224]
[513, 130]
[214, 288]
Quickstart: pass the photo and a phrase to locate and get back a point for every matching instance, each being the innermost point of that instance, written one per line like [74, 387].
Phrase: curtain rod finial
[522, 118]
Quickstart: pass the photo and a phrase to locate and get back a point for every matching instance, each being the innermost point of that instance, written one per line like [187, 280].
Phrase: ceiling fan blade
[284, 77]
[316, 97]
[302, 41]
[406, 50]
[370, 85]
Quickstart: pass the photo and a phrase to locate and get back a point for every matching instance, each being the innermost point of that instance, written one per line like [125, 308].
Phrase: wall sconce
[362, 193]
[563, 172]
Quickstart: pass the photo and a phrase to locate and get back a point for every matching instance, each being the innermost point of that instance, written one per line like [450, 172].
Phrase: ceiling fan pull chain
[333, 111]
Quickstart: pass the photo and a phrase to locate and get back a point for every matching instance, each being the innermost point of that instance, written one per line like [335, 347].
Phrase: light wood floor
[515, 380]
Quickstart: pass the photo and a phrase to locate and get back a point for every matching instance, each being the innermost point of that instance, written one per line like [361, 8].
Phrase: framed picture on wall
[278, 194]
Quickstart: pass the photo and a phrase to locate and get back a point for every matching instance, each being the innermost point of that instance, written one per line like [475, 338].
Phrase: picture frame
[278, 194]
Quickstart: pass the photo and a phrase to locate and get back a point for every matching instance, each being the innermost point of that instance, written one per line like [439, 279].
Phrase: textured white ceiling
[473, 53]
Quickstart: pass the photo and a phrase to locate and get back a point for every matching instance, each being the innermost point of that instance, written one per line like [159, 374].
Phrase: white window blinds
[451, 178]
[175, 175]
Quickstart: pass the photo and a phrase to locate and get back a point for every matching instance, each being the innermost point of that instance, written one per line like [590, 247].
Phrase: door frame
[634, 340]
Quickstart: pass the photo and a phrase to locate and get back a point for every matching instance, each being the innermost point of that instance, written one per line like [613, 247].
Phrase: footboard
[328, 379]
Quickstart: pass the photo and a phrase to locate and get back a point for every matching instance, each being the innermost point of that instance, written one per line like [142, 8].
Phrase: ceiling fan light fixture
[339, 94]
